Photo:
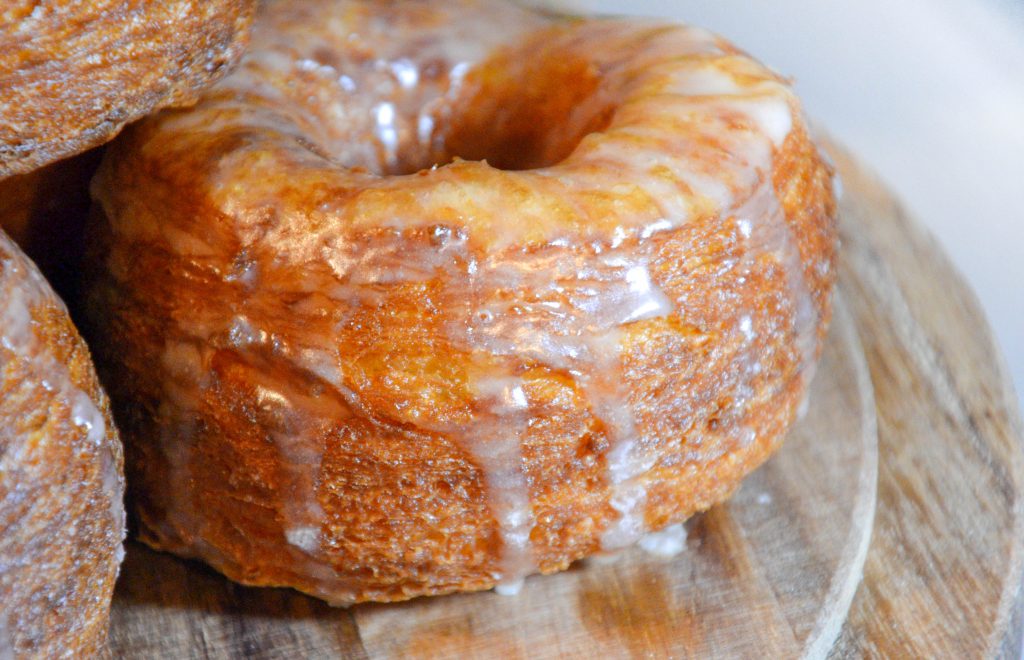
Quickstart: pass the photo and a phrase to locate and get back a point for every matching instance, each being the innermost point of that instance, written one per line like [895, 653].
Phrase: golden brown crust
[342, 382]
[61, 477]
[73, 74]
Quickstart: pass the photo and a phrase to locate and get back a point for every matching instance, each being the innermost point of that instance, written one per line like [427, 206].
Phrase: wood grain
[772, 572]
[943, 574]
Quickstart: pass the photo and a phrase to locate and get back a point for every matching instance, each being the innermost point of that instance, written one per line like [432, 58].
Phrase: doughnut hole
[529, 113]
[521, 108]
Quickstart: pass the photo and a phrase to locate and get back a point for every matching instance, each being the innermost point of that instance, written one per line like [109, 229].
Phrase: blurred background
[929, 93]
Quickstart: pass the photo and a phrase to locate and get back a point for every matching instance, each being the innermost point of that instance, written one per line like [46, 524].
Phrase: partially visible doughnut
[61, 478]
[72, 74]
[427, 297]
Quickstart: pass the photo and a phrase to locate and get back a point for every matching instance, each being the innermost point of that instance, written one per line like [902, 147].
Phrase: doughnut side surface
[61, 477]
[433, 297]
[72, 74]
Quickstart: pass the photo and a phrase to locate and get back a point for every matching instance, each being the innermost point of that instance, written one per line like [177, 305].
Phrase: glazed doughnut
[73, 74]
[61, 478]
[428, 297]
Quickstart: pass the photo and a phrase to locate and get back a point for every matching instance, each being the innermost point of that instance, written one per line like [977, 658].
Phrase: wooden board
[919, 401]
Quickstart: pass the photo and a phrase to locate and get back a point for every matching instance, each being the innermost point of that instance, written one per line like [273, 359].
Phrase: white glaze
[494, 440]
[294, 435]
[294, 424]
[507, 588]
[665, 543]
[572, 323]
[770, 232]
[804, 405]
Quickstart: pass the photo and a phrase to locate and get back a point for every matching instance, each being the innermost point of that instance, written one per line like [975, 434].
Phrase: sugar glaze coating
[432, 296]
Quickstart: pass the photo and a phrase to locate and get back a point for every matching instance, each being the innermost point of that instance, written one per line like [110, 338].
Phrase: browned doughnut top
[61, 480]
[430, 296]
[72, 74]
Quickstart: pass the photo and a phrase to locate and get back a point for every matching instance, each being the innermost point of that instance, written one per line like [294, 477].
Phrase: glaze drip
[666, 543]
[763, 225]
[295, 420]
[571, 323]
[296, 435]
[495, 442]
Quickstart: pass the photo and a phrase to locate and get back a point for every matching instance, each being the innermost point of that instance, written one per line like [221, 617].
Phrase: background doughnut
[61, 476]
[73, 74]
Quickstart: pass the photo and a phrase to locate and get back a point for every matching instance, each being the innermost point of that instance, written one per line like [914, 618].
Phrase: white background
[930, 93]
